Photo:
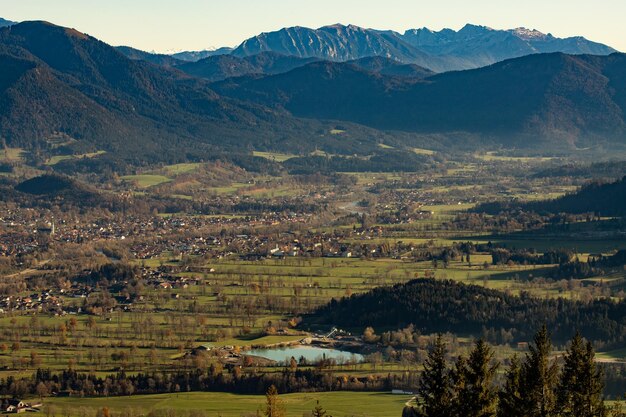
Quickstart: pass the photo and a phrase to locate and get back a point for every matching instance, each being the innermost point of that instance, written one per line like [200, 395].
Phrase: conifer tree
[539, 377]
[475, 392]
[457, 380]
[273, 405]
[434, 390]
[319, 411]
[509, 398]
[579, 393]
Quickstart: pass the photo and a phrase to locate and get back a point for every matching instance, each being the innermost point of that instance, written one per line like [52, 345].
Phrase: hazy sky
[165, 25]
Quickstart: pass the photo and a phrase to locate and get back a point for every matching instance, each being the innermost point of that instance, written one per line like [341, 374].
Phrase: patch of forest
[602, 199]
[434, 306]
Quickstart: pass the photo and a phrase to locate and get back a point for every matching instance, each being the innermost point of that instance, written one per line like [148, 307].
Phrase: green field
[337, 131]
[618, 355]
[493, 156]
[338, 404]
[421, 151]
[178, 169]
[147, 180]
[58, 158]
[274, 156]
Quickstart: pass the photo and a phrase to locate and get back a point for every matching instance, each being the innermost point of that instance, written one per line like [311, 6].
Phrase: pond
[310, 353]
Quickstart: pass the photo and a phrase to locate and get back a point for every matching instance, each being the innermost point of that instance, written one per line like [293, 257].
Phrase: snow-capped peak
[527, 34]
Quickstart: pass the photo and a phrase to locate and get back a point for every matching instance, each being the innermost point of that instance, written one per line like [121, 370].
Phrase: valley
[177, 257]
[329, 219]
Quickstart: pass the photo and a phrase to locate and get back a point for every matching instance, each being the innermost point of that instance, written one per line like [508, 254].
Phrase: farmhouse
[13, 406]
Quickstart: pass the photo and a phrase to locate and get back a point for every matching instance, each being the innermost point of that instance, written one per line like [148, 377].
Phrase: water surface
[310, 353]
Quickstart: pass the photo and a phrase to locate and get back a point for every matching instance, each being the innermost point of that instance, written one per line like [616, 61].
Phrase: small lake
[310, 353]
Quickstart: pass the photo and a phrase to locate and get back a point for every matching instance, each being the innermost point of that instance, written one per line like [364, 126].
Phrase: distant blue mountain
[471, 47]
[193, 56]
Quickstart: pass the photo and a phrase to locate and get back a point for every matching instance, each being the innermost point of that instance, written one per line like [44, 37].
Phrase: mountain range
[446, 50]
[438, 51]
[58, 82]
[198, 55]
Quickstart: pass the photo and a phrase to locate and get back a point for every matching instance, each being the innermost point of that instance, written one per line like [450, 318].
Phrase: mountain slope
[387, 66]
[60, 81]
[193, 56]
[157, 59]
[4, 23]
[220, 67]
[479, 46]
[341, 43]
[559, 99]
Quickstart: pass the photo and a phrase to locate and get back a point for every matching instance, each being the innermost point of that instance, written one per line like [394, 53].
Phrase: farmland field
[147, 180]
[338, 404]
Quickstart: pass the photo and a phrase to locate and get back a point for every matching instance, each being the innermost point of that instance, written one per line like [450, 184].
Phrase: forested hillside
[516, 103]
[447, 306]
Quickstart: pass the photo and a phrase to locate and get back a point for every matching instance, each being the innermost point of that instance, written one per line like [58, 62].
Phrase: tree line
[534, 386]
[595, 266]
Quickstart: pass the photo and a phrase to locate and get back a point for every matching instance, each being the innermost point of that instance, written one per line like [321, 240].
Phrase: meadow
[338, 404]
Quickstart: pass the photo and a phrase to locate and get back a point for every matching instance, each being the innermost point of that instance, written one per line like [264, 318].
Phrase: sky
[174, 25]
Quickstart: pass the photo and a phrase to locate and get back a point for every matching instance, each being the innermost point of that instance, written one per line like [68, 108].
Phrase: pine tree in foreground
[475, 392]
[539, 377]
[510, 402]
[579, 392]
[458, 379]
[434, 393]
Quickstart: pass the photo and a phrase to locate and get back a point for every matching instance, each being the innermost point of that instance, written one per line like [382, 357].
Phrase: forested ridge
[446, 306]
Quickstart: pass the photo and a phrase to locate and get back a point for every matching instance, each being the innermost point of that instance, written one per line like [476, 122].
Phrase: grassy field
[337, 131]
[58, 158]
[421, 151]
[338, 404]
[11, 154]
[493, 156]
[618, 355]
[178, 169]
[147, 180]
[274, 156]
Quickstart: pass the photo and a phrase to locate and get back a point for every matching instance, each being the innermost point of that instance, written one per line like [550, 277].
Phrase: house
[14, 406]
